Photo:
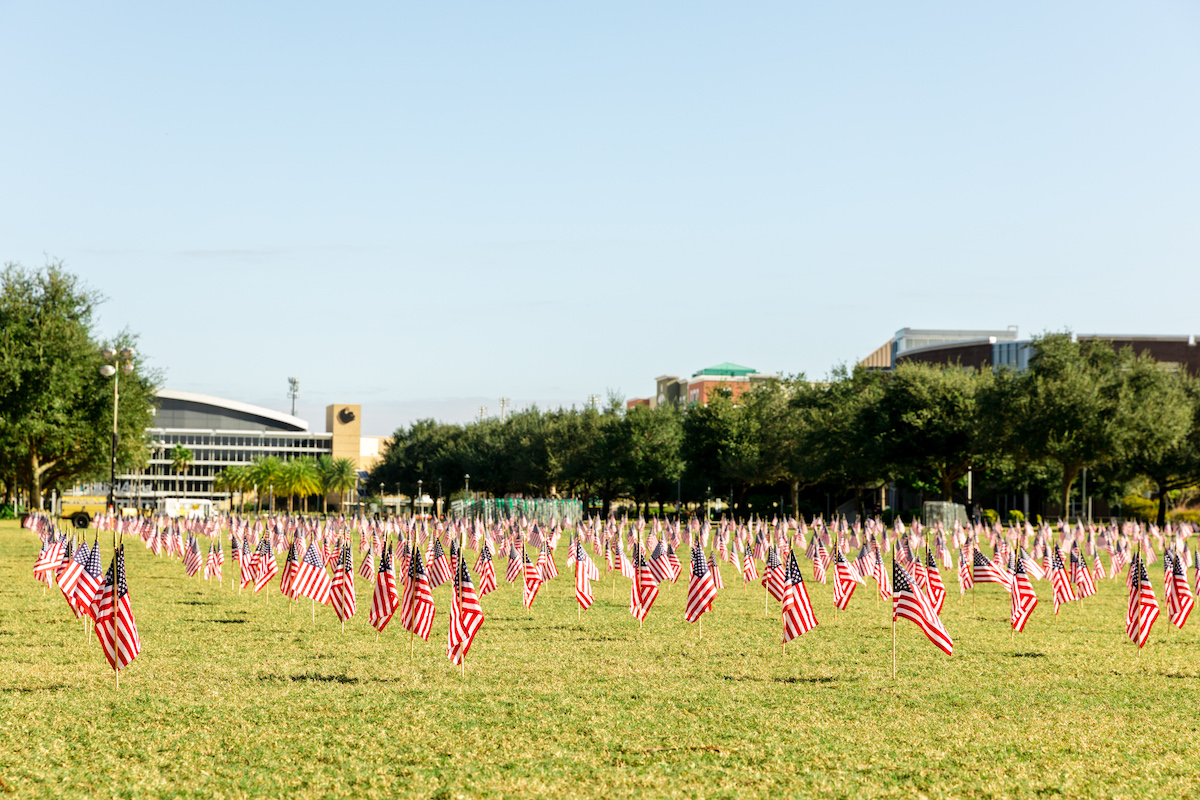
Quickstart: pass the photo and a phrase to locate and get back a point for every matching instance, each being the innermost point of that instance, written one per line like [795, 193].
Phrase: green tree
[652, 448]
[181, 459]
[931, 422]
[337, 475]
[299, 478]
[56, 409]
[265, 475]
[1160, 429]
[1067, 408]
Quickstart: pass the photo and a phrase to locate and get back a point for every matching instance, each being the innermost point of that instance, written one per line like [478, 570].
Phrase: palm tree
[233, 479]
[342, 477]
[325, 475]
[181, 459]
[265, 473]
[299, 477]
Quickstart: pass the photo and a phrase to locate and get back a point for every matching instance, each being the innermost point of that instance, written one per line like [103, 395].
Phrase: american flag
[265, 565]
[584, 571]
[880, 574]
[416, 608]
[341, 589]
[312, 581]
[659, 567]
[843, 580]
[70, 576]
[466, 615]
[820, 560]
[1143, 605]
[623, 561]
[192, 560]
[985, 571]
[533, 581]
[248, 563]
[910, 603]
[702, 589]
[1080, 576]
[643, 591]
[798, 617]
[965, 578]
[674, 567]
[487, 571]
[385, 598]
[212, 565]
[366, 569]
[715, 570]
[937, 589]
[291, 567]
[1063, 593]
[115, 626]
[1032, 568]
[749, 568]
[515, 564]
[47, 560]
[90, 580]
[546, 566]
[1024, 598]
[1098, 571]
[1178, 593]
[774, 578]
[439, 567]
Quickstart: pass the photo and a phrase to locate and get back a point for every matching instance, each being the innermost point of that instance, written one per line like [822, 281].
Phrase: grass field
[236, 696]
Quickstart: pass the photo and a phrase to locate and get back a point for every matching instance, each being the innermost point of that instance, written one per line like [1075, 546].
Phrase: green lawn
[236, 695]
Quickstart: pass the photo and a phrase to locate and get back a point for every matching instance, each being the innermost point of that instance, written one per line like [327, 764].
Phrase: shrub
[1139, 508]
[990, 515]
[1015, 517]
[1191, 515]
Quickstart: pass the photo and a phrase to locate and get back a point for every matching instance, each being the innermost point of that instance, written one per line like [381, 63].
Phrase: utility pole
[293, 392]
[593, 400]
[482, 412]
[504, 403]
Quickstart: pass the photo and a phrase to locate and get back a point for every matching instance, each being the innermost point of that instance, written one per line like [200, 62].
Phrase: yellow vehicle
[82, 509]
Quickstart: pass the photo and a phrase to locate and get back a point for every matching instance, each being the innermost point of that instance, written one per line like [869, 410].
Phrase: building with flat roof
[1004, 350]
[222, 433]
[701, 385]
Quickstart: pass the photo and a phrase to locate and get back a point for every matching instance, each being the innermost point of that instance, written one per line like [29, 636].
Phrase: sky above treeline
[425, 207]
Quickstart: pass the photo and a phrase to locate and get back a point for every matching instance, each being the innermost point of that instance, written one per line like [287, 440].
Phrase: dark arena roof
[192, 411]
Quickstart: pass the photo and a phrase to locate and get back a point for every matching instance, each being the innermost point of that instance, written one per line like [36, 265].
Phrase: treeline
[1132, 423]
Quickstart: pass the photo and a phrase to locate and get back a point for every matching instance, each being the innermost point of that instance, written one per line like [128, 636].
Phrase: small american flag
[116, 628]
[909, 602]
[487, 571]
[1024, 598]
[702, 589]
[342, 587]
[466, 616]
[312, 581]
[583, 580]
[1063, 593]
[533, 581]
[1143, 605]
[417, 609]
[1178, 593]
[798, 617]
[385, 598]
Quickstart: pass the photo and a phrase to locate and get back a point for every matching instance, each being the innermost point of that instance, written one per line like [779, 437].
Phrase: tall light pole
[467, 493]
[482, 412]
[504, 403]
[293, 392]
[417, 502]
[123, 363]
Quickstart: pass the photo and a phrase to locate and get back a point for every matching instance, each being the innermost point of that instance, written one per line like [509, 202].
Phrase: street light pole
[124, 363]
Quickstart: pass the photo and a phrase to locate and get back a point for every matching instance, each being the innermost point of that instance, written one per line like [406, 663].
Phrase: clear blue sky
[424, 207]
